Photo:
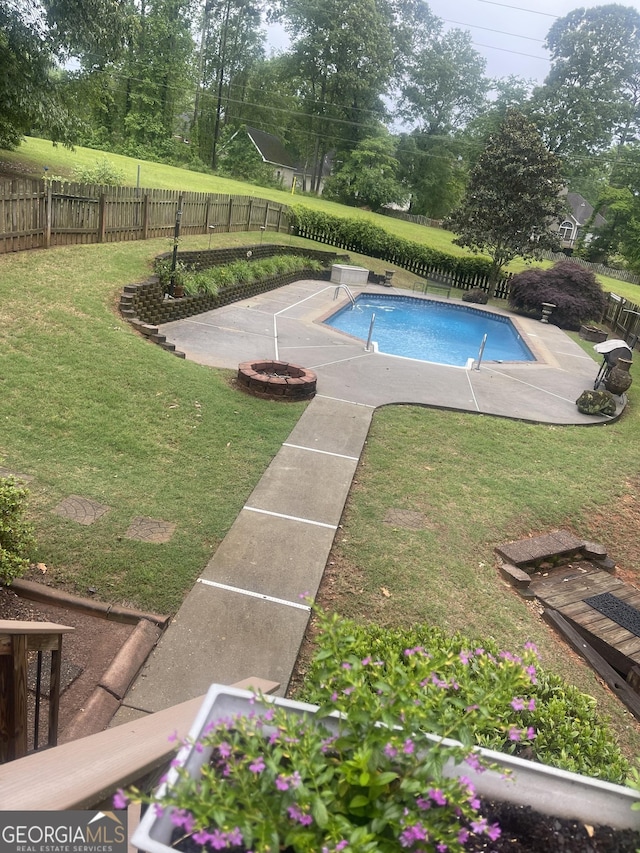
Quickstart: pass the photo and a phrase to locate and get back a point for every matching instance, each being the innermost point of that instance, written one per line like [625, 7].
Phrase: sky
[510, 33]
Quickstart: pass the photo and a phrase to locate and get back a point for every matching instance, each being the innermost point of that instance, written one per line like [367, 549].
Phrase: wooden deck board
[565, 589]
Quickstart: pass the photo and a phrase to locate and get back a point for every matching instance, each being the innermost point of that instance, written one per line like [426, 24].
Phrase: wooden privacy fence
[622, 317]
[39, 214]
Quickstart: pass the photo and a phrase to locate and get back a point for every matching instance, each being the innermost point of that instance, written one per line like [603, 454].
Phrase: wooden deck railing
[85, 773]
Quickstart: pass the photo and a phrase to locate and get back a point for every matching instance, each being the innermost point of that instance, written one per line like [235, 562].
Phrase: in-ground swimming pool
[431, 331]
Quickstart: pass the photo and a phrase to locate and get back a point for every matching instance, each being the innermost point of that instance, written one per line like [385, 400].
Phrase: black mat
[619, 611]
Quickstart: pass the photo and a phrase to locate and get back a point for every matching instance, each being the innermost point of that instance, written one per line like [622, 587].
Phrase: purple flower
[474, 762]
[423, 804]
[437, 796]
[281, 783]
[531, 672]
[390, 751]
[494, 832]
[217, 839]
[463, 836]
[234, 837]
[299, 816]
[224, 749]
[515, 734]
[366, 661]
[517, 704]
[465, 657]
[408, 747]
[342, 844]
[532, 705]
[530, 733]
[173, 737]
[346, 665]
[479, 826]
[258, 765]
[295, 780]
[411, 834]
[120, 800]
[531, 647]
[441, 848]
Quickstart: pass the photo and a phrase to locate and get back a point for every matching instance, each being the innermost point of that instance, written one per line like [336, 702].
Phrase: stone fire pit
[277, 380]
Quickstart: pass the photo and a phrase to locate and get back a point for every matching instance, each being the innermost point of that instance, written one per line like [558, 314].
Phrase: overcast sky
[510, 33]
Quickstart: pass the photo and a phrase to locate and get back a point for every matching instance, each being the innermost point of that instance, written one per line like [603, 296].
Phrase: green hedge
[366, 238]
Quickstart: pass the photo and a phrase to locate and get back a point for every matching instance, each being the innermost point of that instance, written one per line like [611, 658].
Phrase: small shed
[273, 153]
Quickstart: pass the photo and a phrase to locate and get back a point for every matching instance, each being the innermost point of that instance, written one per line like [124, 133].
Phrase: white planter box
[546, 789]
[344, 274]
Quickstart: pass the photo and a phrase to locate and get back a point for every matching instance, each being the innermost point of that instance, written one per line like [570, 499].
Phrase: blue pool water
[431, 331]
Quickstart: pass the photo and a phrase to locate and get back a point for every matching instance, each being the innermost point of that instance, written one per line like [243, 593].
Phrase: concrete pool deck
[244, 616]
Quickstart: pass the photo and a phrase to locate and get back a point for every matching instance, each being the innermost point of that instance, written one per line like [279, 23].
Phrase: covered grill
[611, 351]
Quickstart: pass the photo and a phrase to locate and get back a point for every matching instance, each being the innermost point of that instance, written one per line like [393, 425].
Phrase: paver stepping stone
[406, 518]
[150, 529]
[82, 510]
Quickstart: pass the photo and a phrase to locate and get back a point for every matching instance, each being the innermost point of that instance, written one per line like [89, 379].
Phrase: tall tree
[513, 196]
[35, 38]
[445, 84]
[231, 43]
[591, 97]
[341, 55]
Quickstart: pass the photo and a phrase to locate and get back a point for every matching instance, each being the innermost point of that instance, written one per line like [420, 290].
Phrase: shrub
[102, 173]
[213, 279]
[360, 235]
[569, 733]
[16, 534]
[573, 289]
[477, 295]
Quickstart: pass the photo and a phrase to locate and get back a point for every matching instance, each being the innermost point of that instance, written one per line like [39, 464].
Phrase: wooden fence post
[230, 210]
[47, 215]
[102, 218]
[145, 217]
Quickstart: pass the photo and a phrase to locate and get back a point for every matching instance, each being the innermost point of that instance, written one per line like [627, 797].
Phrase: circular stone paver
[82, 510]
[150, 530]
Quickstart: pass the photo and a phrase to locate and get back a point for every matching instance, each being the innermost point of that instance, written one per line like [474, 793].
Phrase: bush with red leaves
[573, 289]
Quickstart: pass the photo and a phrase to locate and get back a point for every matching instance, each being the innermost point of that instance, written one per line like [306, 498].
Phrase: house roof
[581, 210]
[270, 148]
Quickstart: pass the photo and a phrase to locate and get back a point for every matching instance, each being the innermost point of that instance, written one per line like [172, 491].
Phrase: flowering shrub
[569, 733]
[369, 778]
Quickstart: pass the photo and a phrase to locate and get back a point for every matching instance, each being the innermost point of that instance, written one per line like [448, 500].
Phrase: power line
[520, 9]
[489, 30]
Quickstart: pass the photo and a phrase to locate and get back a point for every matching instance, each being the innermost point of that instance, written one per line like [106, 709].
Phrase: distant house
[274, 154]
[578, 215]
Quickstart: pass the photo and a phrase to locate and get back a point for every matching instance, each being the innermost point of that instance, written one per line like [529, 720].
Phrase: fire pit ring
[277, 380]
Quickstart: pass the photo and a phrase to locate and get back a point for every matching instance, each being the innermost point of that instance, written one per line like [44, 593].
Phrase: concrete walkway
[245, 616]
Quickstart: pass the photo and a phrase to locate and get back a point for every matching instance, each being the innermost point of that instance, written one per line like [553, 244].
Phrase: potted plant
[361, 772]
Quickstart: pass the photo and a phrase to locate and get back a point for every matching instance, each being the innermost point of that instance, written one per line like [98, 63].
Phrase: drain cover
[619, 611]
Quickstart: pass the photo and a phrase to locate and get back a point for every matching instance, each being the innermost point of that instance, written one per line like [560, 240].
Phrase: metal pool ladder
[349, 294]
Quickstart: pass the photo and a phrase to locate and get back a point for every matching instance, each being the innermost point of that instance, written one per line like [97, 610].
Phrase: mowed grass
[90, 408]
[34, 154]
[475, 482]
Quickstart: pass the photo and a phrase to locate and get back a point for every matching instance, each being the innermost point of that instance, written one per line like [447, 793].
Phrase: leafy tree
[369, 176]
[574, 290]
[231, 44]
[239, 159]
[512, 197]
[591, 96]
[34, 40]
[445, 85]
[434, 170]
[341, 61]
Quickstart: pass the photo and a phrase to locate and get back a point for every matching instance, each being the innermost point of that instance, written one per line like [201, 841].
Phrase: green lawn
[34, 154]
[90, 408]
